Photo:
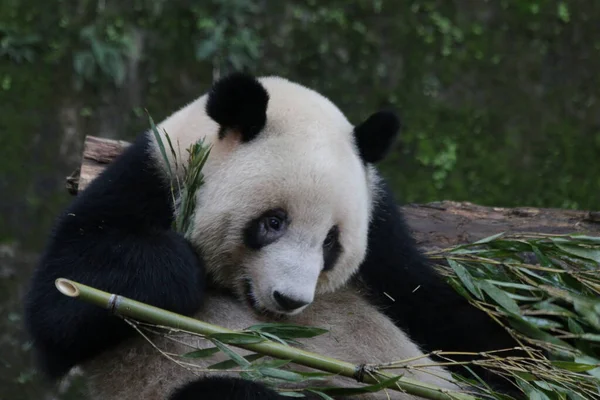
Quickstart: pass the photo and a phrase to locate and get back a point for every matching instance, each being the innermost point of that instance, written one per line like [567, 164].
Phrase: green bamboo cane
[126, 307]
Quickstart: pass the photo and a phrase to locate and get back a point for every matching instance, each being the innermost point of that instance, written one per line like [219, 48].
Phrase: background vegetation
[500, 99]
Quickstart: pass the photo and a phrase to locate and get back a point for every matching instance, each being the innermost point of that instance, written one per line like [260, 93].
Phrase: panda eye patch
[331, 248]
[266, 228]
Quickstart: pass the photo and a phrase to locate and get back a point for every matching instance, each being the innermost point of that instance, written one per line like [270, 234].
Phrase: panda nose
[288, 303]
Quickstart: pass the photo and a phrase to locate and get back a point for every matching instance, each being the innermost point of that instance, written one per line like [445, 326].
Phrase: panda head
[284, 212]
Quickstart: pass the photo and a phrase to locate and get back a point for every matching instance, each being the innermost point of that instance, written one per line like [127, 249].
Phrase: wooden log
[438, 224]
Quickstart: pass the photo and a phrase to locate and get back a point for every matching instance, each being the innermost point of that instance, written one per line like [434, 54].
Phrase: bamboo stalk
[126, 307]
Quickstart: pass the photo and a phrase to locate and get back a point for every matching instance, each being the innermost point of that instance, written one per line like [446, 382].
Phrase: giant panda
[292, 223]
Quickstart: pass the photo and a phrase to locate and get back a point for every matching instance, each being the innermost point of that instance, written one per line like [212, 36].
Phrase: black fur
[331, 249]
[229, 388]
[428, 309]
[239, 102]
[115, 236]
[375, 136]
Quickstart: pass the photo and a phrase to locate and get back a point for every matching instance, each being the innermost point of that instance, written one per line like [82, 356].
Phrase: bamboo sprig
[126, 307]
[545, 290]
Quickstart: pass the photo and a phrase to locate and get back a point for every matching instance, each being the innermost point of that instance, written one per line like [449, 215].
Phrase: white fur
[306, 162]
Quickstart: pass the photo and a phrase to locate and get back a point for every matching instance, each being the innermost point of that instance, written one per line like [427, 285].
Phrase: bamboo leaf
[553, 309]
[574, 327]
[579, 251]
[235, 357]
[236, 338]
[320, 394]
[545, 261]
[288, 331]
[282, 374]
[335, 391]
[500, 297]
[595, 372]
[573, 366]
[542, 322]
[275, 338]
[291, 394]
[202, 353]
[514, 285]
[586, 238]
[270, 364]
[589, 313]
[161, 145]
[489, 238]
[465, 278]
[314, 375]
[232, 364]
[536, 333]
[592, 337]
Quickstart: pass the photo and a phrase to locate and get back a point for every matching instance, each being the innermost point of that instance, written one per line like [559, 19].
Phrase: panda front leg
[115, 236]
[404, 284]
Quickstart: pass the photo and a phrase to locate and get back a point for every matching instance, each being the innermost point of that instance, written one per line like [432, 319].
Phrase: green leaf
[160, 144]
[274, 338]
[235, 357]
[545, 261]
[535, 333]
[489, 238]
[592, 337]
[574, 327]
[289, 376]
[271, 364]
[201, 353]
[573, 366]
[288, 331]
[231, 363]
[291, 394]
[460, 289]
[314, 375]
[551, 308]
[586, 238]
[542, 322]
[236, 338]
[580, 251]
[336, 391]
[500, 297]
[591, 361]
[514, 285]
[320, 394]
[588, 312]
[465, 278]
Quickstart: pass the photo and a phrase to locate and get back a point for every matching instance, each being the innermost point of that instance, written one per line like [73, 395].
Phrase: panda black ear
[238, 102]
[376, 135]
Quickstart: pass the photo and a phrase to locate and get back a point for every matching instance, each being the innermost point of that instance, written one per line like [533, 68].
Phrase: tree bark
[435, 225]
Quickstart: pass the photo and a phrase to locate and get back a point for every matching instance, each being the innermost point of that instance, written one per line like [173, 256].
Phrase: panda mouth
[249, 296]
[257, 308]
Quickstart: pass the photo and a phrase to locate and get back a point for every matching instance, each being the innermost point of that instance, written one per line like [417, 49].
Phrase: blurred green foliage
[499, 99]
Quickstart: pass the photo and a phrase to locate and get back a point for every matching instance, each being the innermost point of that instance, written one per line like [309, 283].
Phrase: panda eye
[331, 237]
[274, 223]
[328, 241]
[266, 228]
